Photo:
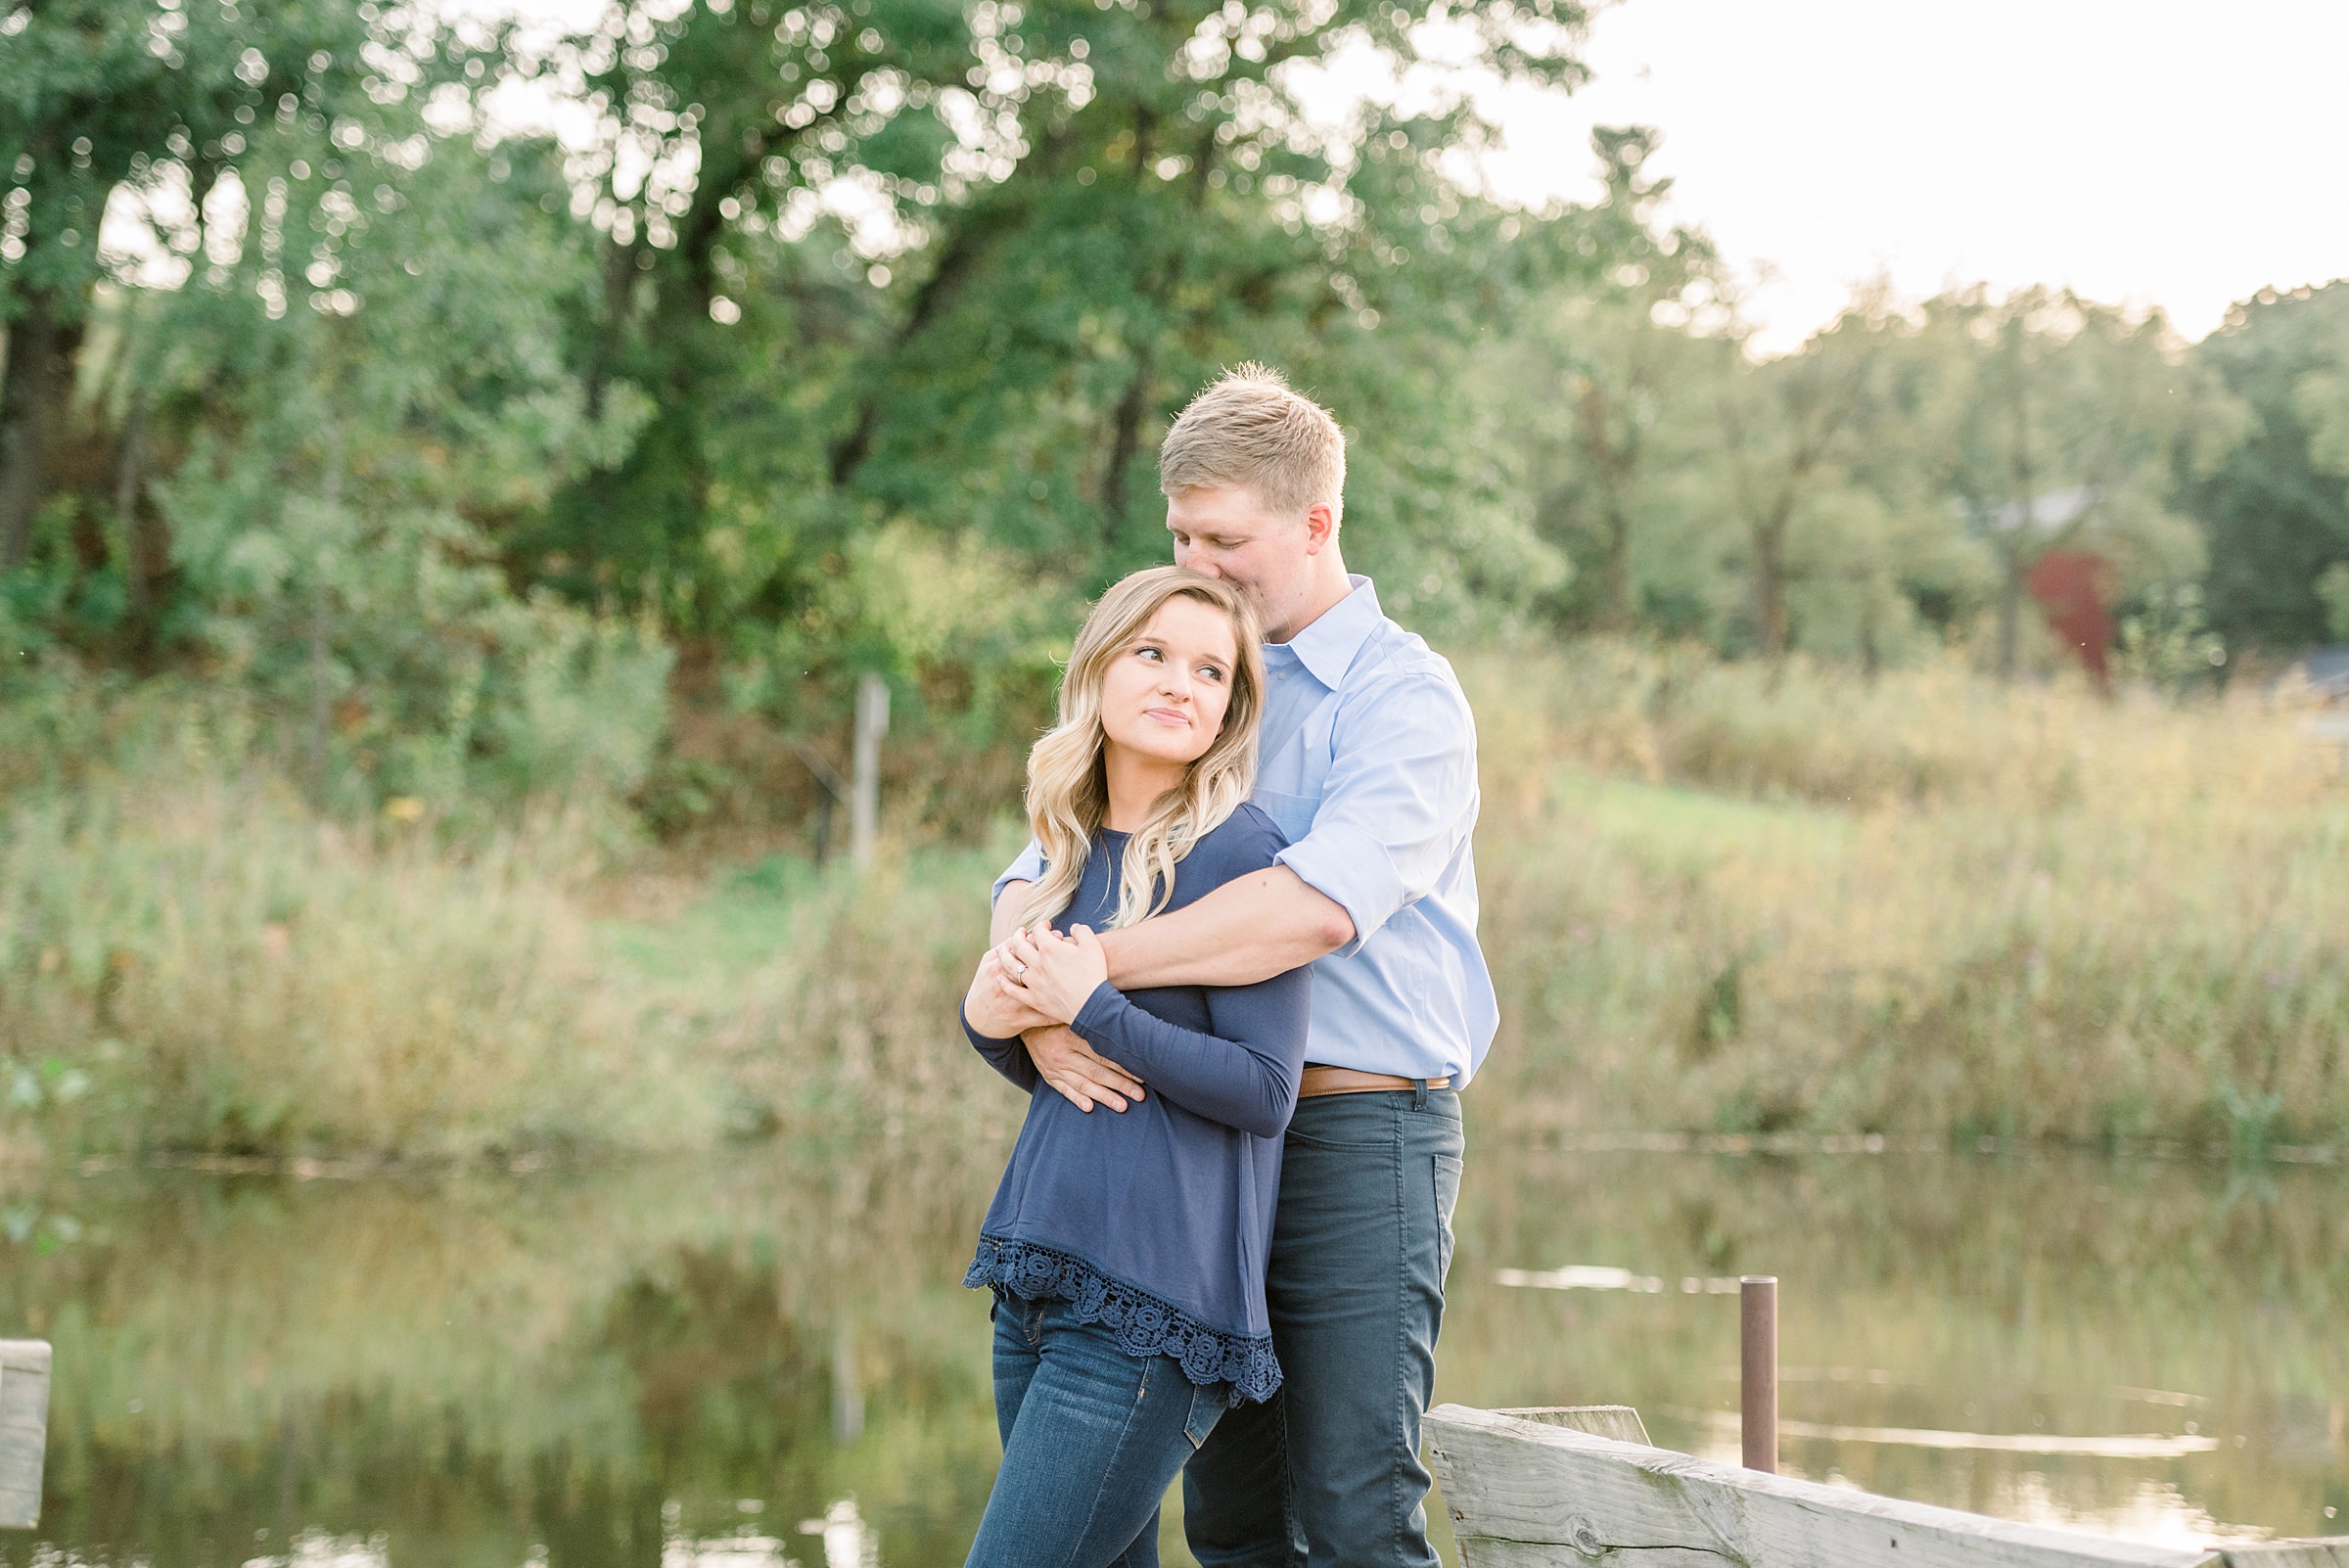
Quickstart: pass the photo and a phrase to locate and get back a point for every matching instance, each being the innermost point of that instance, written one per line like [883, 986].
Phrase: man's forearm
[1006, 917]
[1263, 924]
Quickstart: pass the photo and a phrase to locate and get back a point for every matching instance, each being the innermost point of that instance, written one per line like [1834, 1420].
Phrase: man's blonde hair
[1250, 428]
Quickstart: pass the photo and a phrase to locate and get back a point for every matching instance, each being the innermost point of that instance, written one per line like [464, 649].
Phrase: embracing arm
[1007, 1056]
[1243, 1075]
[1399, 801]
[1241, 1070]
[1053, 1049]
[1006, 917]
[1252, 928]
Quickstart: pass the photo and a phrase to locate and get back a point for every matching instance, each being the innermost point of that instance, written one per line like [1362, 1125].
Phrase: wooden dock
[24, 1430]
[1579, 1486]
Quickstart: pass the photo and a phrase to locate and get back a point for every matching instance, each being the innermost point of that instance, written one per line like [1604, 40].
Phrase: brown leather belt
[1319, 1080]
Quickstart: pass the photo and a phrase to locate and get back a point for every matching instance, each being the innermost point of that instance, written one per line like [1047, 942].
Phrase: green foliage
[2166, 641]
[2333, 588]
[1868, 496]
[334, 527]
[1606, 404]
[96, 95]
[997, 251]
[2276, 511]
[835, 338]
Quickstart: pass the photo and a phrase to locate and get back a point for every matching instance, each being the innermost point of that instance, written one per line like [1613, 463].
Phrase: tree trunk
[603, 357]
[1615, 571]
[2018, 544]
[322, 612]
[141, 563]
[1613, 468]
[1125, 440]
[2010, 611]
[956, 264]
[40, 364]
[1769, 578]
[1872, 653]
[1770, 595]
[1126, 424]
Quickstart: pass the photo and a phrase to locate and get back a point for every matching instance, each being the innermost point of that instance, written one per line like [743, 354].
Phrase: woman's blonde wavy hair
[1068, 788]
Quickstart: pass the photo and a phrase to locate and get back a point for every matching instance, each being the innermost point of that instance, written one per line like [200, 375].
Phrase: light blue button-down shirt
[1367, 761]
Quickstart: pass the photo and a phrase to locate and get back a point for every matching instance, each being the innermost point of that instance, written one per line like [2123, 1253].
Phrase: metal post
[848, 1388]
[1758, 1366]
[864, 796]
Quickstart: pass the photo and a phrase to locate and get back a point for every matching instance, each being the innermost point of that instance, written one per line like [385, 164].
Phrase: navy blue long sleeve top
[1156, 1220]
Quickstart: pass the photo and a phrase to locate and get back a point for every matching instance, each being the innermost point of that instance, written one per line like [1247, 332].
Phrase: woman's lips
[1169, 716]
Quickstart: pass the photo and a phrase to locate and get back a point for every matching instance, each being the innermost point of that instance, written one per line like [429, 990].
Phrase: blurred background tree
[2275, 509]
[499, 406]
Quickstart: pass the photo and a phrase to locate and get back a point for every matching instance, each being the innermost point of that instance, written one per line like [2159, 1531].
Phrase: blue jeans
[1328, 1471]
[1093, 1437]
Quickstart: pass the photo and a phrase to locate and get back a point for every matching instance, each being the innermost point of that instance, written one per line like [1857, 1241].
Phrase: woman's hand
[1056, 974]
[995, 1006]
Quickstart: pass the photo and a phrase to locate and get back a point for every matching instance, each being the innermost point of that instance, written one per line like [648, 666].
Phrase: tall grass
[191, 958]
[1952, 909]
[1716, 898]
[830, 998]
[205, 963]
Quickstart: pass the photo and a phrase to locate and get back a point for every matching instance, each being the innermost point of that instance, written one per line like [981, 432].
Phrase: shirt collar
[1328, 647]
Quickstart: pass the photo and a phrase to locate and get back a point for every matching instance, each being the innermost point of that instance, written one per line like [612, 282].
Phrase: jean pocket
[1345, 1124]
[1448, 1198]
[1208, 1405]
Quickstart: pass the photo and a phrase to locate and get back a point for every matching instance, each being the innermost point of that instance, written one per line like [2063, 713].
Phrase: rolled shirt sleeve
[1399, 801]
[1028, 866]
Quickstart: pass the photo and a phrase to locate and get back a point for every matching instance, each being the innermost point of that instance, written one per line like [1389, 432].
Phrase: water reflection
[843, 1540]
[766, 1359]
[2147, 1348]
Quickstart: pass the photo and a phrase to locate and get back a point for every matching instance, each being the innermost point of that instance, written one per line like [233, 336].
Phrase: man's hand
[995, 1006]
[1084, 1078]
[1056, 974]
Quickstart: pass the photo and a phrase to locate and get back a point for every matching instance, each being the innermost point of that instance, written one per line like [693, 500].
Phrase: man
[1368, 762]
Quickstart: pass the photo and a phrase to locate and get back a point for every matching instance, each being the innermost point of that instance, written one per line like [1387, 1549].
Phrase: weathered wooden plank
[24, 1430]
[1618, 1421]
[2329, 1551]
[1524, 1495]
[1482, 1552]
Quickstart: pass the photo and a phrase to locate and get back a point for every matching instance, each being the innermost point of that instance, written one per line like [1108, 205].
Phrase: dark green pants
[1327, 1472]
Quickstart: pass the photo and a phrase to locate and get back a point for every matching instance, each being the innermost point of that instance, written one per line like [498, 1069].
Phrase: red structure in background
[2070, 585]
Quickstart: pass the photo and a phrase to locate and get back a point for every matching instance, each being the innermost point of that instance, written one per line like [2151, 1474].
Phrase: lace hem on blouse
[1144, 1325]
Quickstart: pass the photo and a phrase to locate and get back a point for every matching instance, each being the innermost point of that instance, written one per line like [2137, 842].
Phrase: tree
[1787, 428]
[334, 518]
[2057, 422]
[99, 97]
[2274, 513]
[1070, 214]
[1603, 381]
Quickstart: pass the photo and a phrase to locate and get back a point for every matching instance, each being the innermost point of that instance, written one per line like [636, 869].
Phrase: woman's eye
[1146, 652]
[1211, 673]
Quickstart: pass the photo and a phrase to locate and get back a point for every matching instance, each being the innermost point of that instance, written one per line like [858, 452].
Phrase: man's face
[1226, 531]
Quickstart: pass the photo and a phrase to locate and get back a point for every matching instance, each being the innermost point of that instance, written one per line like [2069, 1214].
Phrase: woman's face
[1164, 692]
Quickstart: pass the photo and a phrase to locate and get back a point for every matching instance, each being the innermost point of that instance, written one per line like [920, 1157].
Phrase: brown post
[1758, 1359]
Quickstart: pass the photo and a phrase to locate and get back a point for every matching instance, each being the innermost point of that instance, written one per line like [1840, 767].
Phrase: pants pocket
[1207, 1406]
[1448, 1197]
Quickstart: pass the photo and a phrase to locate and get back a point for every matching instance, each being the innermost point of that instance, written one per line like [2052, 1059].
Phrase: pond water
[764, 1358]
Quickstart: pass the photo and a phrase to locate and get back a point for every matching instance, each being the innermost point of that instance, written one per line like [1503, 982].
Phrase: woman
[1127, 1250]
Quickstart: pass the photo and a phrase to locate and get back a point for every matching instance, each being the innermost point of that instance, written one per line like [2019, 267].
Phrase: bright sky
[2177, 153]
[2146, 151]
